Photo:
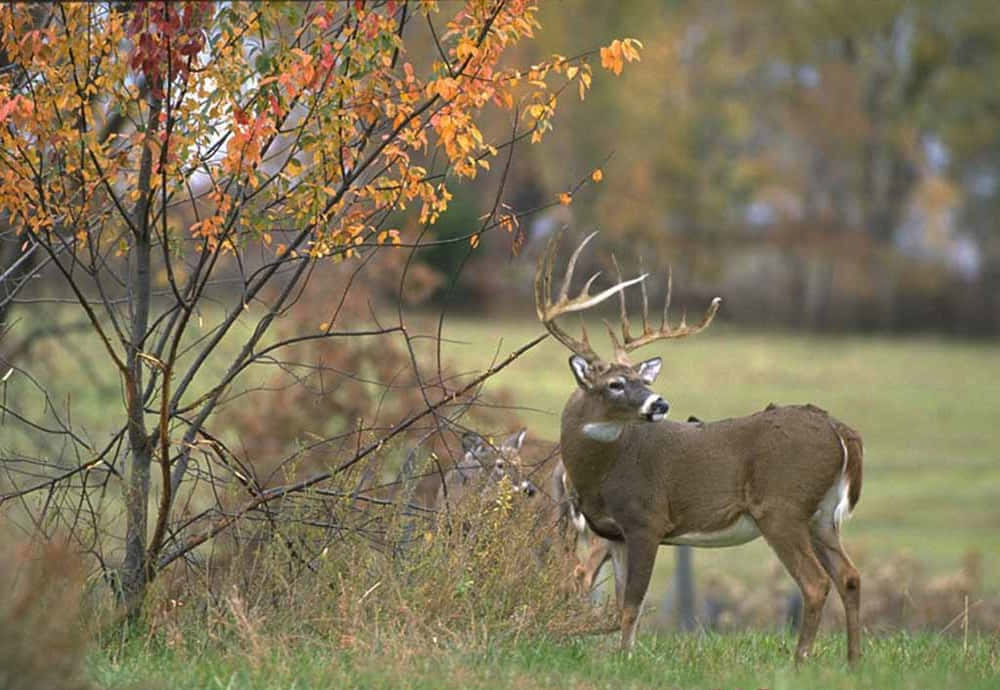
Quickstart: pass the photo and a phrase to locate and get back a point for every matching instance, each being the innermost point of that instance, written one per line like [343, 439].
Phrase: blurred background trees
[827, 165]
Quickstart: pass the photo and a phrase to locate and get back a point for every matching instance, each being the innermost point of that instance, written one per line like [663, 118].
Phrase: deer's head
[499, 461]
[623, 389]
[617, 391]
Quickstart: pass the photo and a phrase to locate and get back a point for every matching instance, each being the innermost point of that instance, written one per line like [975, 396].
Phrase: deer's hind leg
[792, 542]
[847, 580]
[598, 553]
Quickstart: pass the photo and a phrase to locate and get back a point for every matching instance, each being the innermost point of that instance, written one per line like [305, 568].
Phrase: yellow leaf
[611, 57]
[597, 175]
[565, 199]
[323, 326]
[474, 241]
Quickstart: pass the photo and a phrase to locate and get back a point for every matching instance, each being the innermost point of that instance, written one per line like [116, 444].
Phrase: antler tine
[564, 289]
[548, 311]
[665, 321]
[645, 305]
[543, 275]
[666, 331]
[620, 354]
[625, 324]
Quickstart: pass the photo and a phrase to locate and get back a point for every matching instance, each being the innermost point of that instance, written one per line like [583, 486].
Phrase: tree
[253, 144]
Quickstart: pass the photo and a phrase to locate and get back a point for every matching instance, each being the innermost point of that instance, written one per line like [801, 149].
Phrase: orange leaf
[597, 175]
[474, 241]
[611, 57]
[565, 199]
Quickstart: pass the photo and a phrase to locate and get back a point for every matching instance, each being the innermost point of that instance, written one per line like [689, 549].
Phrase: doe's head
[502, 461]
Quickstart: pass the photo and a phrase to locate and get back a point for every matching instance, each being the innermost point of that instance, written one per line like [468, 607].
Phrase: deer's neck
[589, 443]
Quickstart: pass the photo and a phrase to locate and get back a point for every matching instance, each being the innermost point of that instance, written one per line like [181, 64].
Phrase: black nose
[659, 407]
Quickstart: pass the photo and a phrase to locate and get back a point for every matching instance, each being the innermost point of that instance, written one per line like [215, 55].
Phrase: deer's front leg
[640, 554]
[619, 558]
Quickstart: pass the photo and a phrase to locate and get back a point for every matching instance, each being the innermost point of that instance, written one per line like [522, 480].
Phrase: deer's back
[713, 473]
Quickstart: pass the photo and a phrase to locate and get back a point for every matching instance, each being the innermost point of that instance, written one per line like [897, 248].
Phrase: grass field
[752, 660]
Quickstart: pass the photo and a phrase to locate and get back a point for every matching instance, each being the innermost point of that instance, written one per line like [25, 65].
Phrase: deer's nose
[655, 409]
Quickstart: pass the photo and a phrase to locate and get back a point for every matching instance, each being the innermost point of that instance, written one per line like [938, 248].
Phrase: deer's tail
[853, 451]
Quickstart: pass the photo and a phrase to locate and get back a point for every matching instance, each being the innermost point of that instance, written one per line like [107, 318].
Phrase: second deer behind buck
[482, 466]
[791, 474]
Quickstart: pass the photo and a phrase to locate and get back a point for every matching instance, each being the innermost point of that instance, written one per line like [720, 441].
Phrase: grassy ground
[752, 660]
[926, 408]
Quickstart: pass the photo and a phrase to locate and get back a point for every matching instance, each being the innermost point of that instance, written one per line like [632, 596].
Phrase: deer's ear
[514, 441]
[582, 371]
[473, 443]
[649, 370]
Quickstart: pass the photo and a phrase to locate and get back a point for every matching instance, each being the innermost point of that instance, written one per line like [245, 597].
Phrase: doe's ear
[649, 370]
[473, 443]
[515, 440]
[581, 370]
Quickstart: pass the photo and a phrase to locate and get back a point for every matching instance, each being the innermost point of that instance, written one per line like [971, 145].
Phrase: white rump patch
[744, 529]
[606, 432]
[835, 506]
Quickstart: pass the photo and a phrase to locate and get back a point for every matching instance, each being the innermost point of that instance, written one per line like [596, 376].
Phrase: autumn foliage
[321, 120]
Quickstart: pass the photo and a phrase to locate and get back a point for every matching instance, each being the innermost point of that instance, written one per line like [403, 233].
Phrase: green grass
[926, 408]
[751, 660]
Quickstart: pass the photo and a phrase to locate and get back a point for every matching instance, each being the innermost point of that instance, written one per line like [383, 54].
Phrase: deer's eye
[616, 386]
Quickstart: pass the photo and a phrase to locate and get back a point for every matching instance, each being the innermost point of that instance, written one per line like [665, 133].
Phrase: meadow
[925, 406]
[749, 660]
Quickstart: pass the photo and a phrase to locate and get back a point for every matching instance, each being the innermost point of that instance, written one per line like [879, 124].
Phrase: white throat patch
[605, 432]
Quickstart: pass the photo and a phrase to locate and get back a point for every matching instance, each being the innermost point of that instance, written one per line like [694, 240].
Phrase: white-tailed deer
[482, 465]
[790, 474]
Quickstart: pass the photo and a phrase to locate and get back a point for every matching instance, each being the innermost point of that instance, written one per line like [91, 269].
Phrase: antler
[664, 332]
[548, 311]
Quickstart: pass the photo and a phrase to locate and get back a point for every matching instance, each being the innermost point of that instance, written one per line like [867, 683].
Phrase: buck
[791, 474]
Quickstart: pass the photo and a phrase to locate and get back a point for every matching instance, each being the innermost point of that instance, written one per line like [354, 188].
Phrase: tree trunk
[136, 570]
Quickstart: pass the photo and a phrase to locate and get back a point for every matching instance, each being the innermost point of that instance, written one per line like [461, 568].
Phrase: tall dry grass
[491, 570]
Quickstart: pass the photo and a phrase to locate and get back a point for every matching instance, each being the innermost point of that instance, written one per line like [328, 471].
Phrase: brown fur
[700, 479]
